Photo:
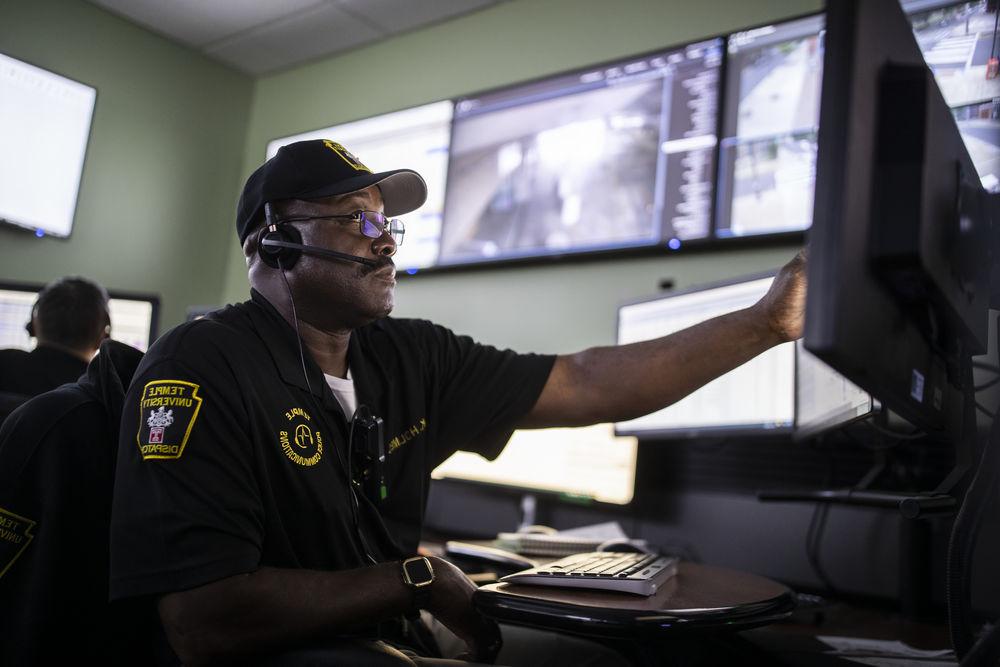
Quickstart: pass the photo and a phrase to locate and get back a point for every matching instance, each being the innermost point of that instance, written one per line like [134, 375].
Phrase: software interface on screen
[611, 157]
[823, 397]
[131, 319]
[755, 396]
[957, 40]
[980, 128]
[770, 119]
[44, 127]
[415, 138]
[589, 462]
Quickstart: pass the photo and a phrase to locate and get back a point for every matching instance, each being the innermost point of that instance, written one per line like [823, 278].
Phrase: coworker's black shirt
[38, 371]
[57, 457]
[228, 462]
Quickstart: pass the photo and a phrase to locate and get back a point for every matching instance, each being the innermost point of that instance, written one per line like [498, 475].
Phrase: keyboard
[638, 573]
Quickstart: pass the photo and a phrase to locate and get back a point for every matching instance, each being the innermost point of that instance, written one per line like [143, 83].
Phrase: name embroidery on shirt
[15, 536]
[409, 434]
[167, 412]
[301, 443]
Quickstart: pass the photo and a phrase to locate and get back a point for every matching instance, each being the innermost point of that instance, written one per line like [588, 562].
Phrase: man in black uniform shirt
[69, 321]
[57, 458]
[242, 432]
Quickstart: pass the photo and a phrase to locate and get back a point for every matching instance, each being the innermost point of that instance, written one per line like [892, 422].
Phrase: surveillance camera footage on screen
[616, 156]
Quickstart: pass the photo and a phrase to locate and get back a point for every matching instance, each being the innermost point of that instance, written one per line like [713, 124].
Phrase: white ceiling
[262, 36]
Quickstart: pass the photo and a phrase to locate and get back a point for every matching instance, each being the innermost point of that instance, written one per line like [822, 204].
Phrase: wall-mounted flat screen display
[44, 127]
[611, 157]
[958, 39]
[415, 138]
[770, 120]
[980, 128]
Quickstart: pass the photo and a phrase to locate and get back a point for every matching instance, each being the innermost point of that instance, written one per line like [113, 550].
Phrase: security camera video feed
[613, 157]
[770, 122]
[415, 138]
[958, 41]
[980, 128]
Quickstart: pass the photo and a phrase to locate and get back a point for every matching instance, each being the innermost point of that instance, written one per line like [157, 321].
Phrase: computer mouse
[619, 545]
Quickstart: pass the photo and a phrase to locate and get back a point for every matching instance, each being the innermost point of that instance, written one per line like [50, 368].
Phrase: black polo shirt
[57, 457]
[228, 463]
[38, 371]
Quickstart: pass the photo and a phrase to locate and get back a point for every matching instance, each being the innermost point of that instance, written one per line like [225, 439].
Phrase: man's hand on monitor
[451, 603]
[784, 305]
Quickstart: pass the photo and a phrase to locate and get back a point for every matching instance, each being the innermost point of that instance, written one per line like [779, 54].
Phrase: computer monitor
[757, 397]
[824, 399]
[770, 114]
[44, 128]
[580, 463]
[134, 317]
[780, 390]
[611, 157]
[980, 128]
[415, 138]
[900, 249]
[957, 40]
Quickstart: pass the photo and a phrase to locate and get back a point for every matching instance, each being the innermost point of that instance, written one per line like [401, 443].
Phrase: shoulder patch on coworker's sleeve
[167, 412]
[15, 536]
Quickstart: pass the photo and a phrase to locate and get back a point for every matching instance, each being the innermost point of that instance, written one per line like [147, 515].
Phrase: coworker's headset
[280, 245]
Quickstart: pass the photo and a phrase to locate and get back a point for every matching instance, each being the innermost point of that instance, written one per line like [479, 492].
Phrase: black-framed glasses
[371, 223]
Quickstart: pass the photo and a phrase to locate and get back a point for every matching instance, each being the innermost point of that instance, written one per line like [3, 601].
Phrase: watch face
[418, 571]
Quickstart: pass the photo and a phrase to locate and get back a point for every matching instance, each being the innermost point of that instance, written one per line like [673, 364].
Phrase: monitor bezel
[153, 299]
[38, 232]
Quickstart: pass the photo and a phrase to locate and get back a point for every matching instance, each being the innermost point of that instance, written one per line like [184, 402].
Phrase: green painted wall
[164, 162]
[545, 308]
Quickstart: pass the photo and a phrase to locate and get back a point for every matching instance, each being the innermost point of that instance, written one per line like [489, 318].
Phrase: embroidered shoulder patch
[167, 412]
[15, 536]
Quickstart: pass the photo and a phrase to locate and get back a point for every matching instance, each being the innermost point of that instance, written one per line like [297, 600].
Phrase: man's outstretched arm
[605, 384]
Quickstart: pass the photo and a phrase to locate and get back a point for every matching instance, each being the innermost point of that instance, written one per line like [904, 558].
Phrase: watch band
[418, 574]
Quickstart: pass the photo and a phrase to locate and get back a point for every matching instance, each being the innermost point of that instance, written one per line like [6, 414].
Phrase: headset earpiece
[279, 258]
[30, 326]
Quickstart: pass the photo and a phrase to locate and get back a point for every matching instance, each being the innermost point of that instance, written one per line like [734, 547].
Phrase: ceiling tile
[400, 15]
[202, 22]
[320, 31]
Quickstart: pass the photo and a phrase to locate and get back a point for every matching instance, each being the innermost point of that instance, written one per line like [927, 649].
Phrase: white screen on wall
[44, 126]
[415, 138]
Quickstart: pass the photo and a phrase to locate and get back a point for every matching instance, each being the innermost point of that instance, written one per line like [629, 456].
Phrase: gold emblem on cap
[346, 155]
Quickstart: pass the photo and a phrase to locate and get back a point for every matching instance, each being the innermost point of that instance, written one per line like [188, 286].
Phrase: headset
[280, 245]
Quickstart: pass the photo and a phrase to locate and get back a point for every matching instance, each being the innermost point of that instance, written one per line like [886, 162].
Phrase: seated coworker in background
[57, 458]
[69, 320]
[233, 508]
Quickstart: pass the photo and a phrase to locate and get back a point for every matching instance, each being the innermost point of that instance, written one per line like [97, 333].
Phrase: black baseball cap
[322, 168]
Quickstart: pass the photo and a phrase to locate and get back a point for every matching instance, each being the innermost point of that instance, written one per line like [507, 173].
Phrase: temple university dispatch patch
[167, 412]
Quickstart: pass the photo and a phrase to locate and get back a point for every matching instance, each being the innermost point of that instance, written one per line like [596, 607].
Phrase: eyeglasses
[371, 223]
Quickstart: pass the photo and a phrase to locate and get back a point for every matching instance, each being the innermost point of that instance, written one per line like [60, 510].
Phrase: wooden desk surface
[698, 597]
